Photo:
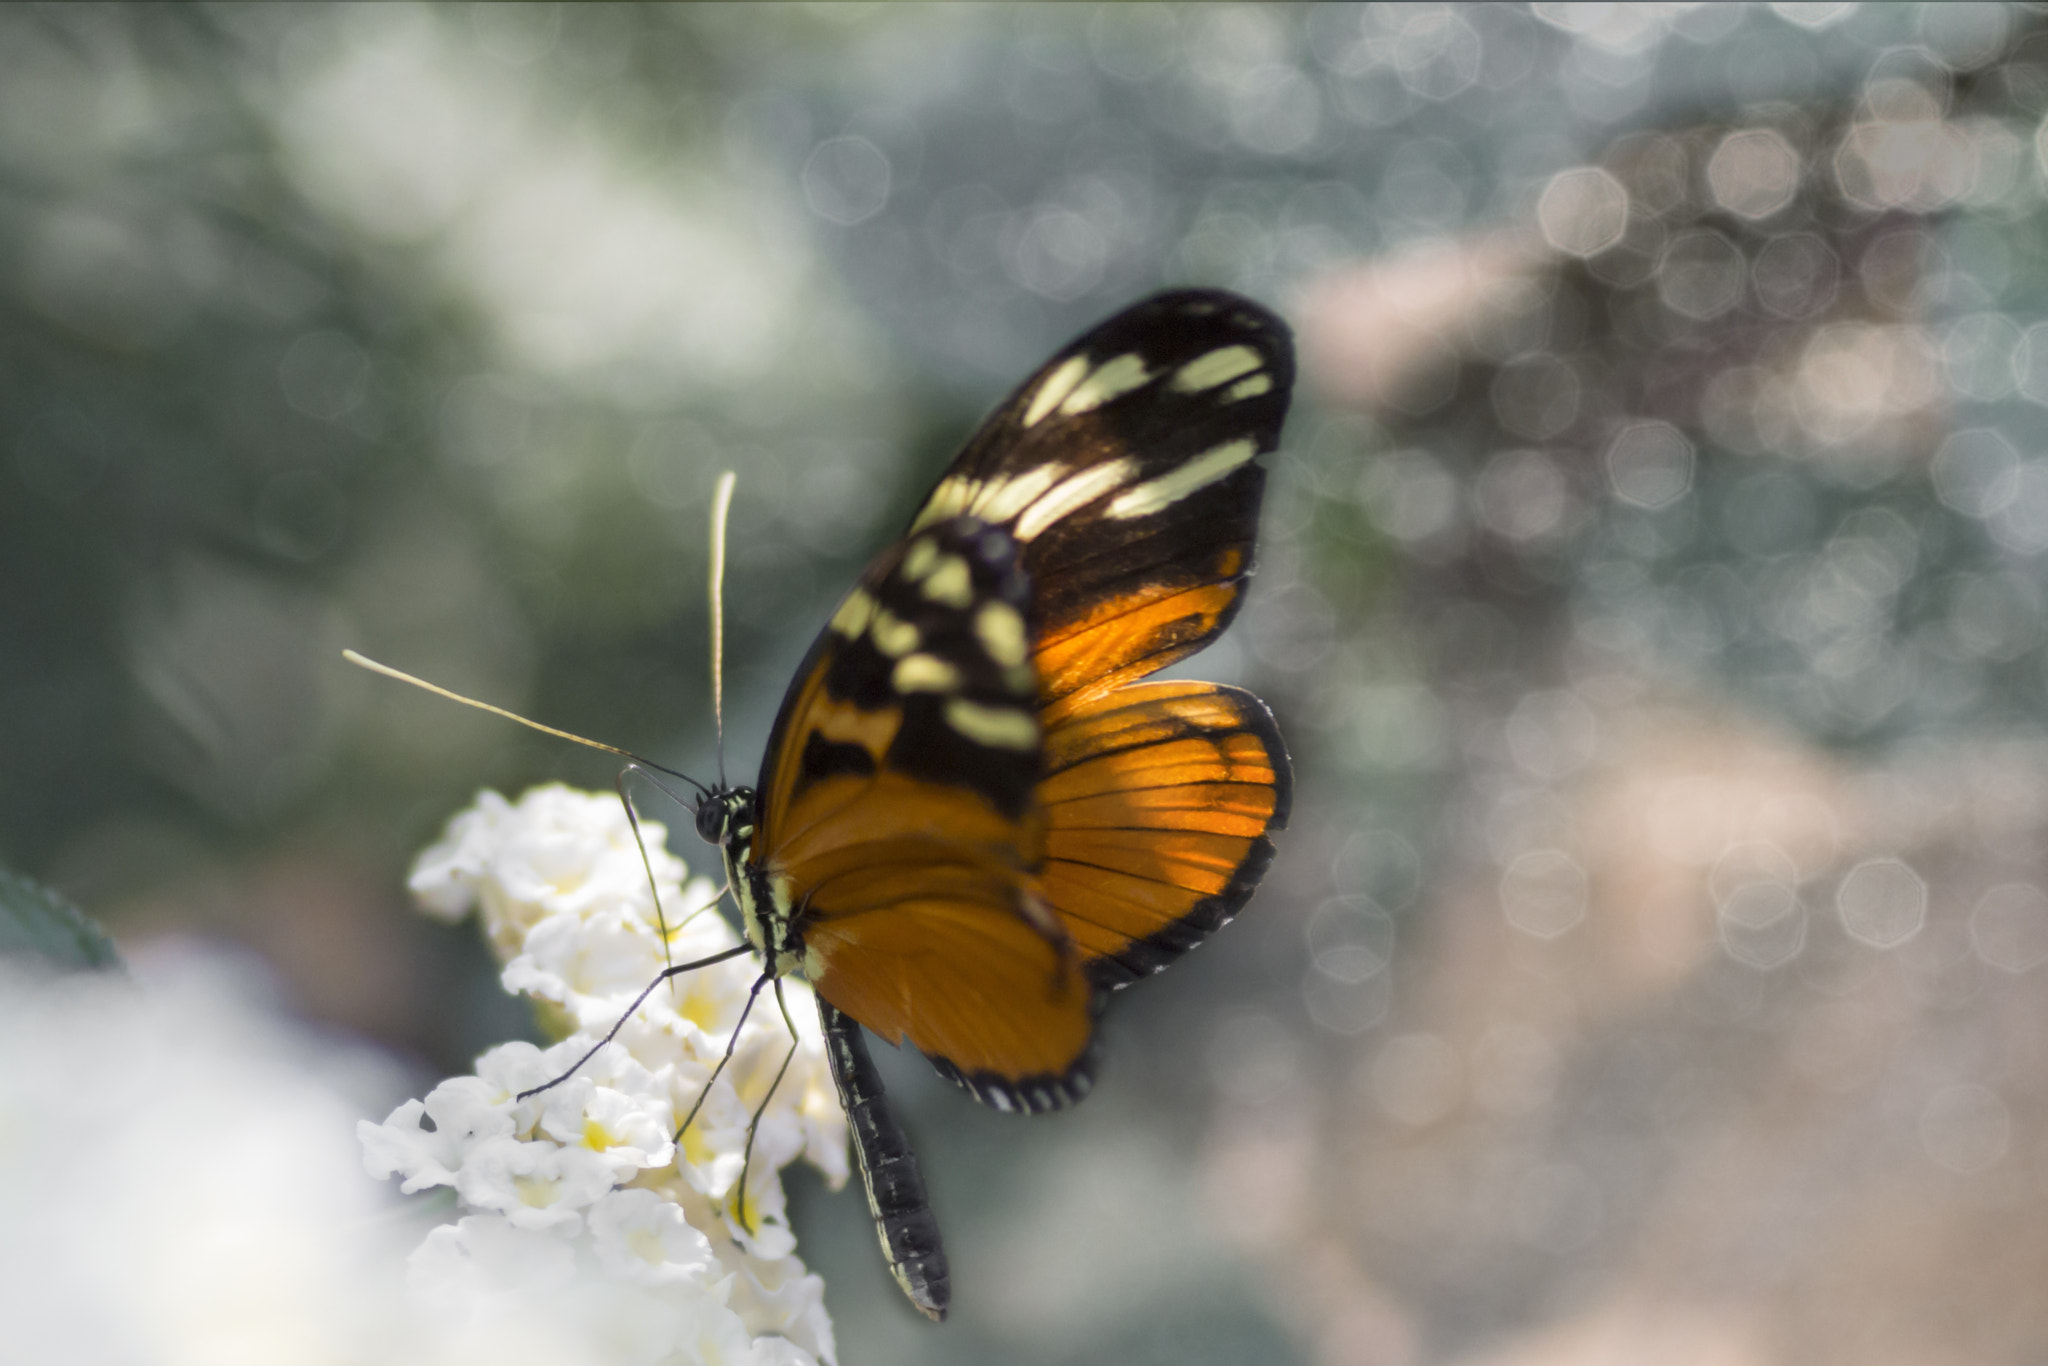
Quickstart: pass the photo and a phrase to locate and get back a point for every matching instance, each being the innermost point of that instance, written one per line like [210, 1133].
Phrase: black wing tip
[1258, 720]
[1209, 307]
[1208, 301]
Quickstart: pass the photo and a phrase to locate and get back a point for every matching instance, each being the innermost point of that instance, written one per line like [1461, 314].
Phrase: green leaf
[36, 923]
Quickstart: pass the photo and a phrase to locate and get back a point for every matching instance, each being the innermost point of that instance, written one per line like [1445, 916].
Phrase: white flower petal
[534, 1185]
[645, 1238]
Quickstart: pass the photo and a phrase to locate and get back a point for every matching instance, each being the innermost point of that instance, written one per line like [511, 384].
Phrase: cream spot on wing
[951, 583]
[873, 731]
[1057, 386]
[1217, 367]
[1108, 380]
[1000, 628]
[854, 614]
[1072, 494]
[924, 673]
[918, 563]
[949, 499]
[893, 637]
[1003, 498]
[1249, 388]
[1155, 495]
[996, 727]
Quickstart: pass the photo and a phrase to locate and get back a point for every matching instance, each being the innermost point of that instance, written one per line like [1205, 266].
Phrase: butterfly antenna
[721, 504]
[687, 803]
[747, 1157]
[363, 661]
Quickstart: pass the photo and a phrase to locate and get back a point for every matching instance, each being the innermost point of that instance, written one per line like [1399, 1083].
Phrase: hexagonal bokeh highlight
[1762, 924]
[1649, 464]
[1883, 902]
[2009, 927]
[1582, 212]
[1753, 173]
[1965, 1128]
[1544, 893]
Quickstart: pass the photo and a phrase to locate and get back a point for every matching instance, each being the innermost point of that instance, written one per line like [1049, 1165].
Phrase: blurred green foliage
[40, 929]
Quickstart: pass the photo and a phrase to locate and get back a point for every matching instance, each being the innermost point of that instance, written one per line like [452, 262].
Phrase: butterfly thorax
[767, 905]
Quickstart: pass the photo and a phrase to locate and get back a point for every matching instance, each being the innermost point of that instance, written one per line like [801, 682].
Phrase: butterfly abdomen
[895, 1185]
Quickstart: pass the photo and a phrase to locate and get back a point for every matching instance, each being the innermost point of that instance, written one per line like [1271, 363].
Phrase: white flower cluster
[579, 1191]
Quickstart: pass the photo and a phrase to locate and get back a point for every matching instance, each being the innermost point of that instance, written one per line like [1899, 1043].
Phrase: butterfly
[975, 818]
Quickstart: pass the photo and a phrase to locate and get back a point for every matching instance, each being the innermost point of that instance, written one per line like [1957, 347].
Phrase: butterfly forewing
[1126, 469]
[924, 670]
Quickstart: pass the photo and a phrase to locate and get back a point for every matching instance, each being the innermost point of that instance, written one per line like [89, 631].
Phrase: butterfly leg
[747, 1158]
[668, 973]
[664, 975]
[753, 994]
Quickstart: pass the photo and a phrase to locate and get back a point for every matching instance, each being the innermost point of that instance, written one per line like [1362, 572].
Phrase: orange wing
[922, 921]
[1127, 638]
[1159, 799]
[922, 944]
[898, 806]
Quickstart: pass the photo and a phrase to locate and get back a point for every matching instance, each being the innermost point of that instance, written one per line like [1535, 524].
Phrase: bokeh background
[1652, 593]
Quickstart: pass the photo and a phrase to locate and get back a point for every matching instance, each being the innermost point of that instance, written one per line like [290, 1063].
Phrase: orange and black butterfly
[974, 817]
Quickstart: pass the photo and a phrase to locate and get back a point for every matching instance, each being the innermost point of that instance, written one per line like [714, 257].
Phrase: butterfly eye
[711, 820]
[723, 815]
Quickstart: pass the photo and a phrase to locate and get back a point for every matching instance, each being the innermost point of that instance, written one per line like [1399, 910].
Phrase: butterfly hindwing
[948, 965]
[1159, 801]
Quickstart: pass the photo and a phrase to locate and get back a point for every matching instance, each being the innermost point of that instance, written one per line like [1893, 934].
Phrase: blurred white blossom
[579, 1194]
[178, 1185]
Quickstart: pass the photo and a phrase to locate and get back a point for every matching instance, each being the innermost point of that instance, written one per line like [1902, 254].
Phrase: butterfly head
[765, 897]
[725, 816]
